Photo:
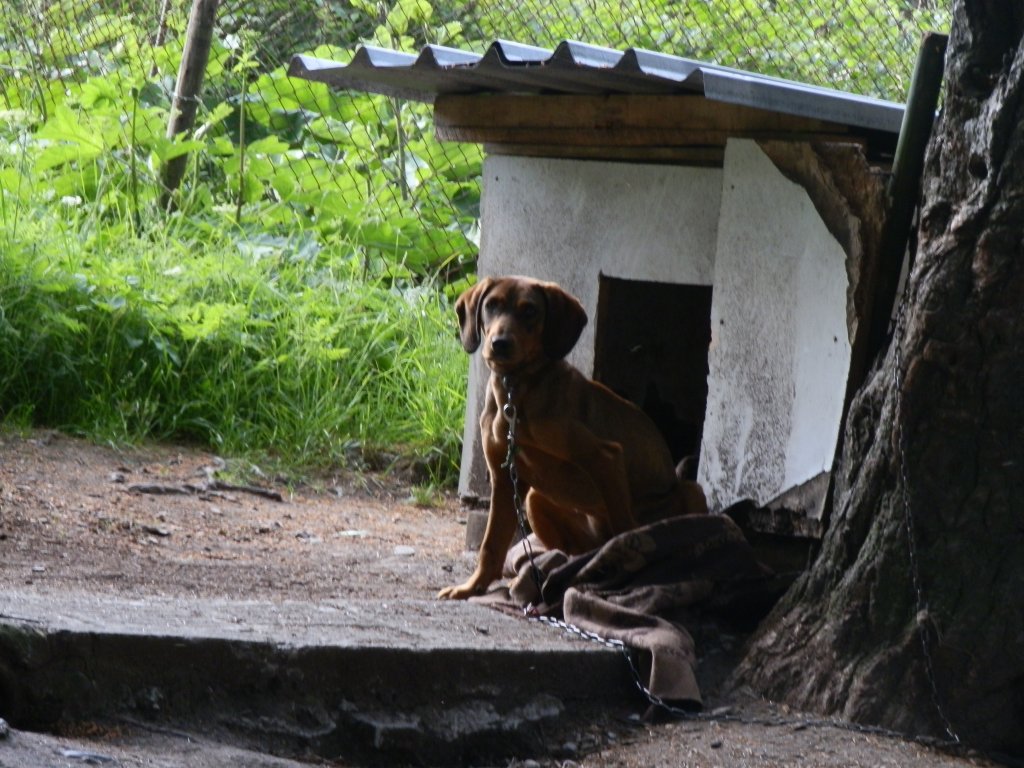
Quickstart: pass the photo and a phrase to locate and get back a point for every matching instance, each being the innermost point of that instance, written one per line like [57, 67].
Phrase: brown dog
[590, 464]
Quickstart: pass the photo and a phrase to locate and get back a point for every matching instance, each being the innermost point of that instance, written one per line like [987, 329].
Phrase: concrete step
[421, 682]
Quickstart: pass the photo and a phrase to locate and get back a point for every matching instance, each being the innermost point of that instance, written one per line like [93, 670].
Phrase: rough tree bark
[934, 451]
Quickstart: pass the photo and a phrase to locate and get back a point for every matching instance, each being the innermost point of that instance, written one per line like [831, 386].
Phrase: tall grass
[256, 344]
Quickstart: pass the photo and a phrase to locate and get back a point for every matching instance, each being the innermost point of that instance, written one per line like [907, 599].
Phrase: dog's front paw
[462, 591]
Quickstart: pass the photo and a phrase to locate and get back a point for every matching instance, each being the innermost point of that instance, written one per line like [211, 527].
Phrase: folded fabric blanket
[630, 588]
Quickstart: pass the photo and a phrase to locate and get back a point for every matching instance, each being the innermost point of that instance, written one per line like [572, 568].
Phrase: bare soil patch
[169, 521]
[164, 520]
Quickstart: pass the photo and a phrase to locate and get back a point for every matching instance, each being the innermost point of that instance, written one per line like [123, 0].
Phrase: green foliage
[294, 299]
[250, 343]
[266, 148]
[862, 46]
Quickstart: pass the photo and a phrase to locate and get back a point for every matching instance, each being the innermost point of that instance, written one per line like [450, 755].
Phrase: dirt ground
[173, 521]
[170, 521]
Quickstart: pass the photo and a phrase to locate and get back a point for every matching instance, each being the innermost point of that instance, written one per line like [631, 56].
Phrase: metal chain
[921, 605]
[512, 418]
[725, 714]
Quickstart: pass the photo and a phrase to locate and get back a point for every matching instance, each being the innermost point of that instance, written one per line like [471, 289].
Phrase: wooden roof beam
[616, 121]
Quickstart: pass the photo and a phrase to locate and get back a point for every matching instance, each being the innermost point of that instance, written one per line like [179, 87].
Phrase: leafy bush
[292, 304]
[266, 148]
[250, 343]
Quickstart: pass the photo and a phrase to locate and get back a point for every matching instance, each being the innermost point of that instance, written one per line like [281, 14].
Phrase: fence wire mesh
[92, 80]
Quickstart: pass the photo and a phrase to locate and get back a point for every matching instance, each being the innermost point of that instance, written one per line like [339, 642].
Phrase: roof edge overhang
[574, 68]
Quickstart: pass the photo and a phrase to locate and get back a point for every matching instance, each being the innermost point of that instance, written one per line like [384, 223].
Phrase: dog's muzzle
[501, 347]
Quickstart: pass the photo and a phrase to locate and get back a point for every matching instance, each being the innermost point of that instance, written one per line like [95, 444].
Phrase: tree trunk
[912, 616]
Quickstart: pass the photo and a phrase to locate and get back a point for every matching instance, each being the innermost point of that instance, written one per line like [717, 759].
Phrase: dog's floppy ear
[467, 307]
[564, 319]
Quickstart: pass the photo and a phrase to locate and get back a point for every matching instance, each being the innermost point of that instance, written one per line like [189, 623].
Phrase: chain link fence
[91, 82]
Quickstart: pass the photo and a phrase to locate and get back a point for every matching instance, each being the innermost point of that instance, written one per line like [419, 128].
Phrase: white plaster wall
[571, 221]
[780, 348]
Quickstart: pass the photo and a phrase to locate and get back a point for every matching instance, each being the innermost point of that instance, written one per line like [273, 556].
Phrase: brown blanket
[632, 588]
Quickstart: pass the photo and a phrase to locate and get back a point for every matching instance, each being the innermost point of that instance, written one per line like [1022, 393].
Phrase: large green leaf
[407, 14]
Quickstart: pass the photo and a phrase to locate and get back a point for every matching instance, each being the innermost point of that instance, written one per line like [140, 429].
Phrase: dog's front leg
[501, 518]
[501, 527]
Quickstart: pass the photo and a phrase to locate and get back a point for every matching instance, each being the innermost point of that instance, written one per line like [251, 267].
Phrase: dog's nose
[501, 346]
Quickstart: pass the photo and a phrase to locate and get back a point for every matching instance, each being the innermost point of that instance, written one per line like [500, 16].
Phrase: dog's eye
[528, 311]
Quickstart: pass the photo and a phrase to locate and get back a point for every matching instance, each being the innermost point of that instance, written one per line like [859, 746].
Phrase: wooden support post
[905, 183]
[189, 84]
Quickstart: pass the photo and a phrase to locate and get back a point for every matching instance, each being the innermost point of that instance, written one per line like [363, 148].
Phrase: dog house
[721, 229]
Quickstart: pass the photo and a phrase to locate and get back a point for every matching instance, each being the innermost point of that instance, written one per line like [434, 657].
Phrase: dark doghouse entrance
[652, 348]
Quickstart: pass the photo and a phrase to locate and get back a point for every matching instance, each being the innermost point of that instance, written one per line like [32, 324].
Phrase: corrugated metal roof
[578, 68]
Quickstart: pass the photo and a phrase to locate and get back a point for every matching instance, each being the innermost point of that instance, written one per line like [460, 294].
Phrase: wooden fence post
[905, 183]
[194, 56]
